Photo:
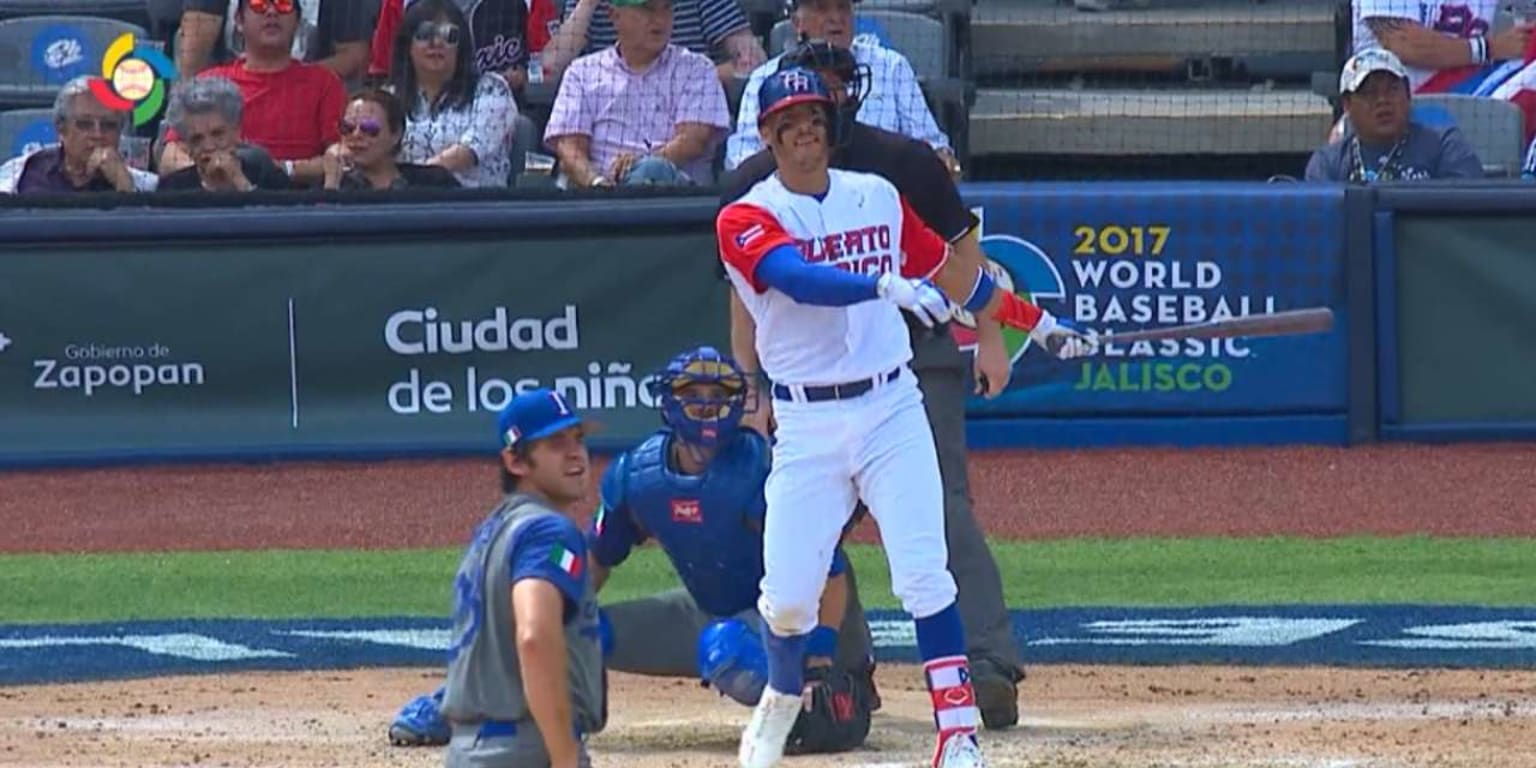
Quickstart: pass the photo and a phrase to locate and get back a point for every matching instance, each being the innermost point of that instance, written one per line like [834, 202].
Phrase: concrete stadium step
[1143, 122]
[1012, 37]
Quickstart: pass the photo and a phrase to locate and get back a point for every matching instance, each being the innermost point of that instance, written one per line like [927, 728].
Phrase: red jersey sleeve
[922, 250]
[745, 233]
[383, 47]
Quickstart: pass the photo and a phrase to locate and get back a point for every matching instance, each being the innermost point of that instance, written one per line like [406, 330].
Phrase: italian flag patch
[566, 560]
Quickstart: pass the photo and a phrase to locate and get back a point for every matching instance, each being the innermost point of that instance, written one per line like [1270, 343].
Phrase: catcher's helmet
[703, 420]
[788, 87]
[821, 56]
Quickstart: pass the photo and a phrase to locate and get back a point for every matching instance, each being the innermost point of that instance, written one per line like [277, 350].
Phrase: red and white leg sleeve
[954, 700]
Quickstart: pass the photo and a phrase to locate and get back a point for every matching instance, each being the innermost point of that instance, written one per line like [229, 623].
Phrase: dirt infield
[1078, 717]
[1459, 490]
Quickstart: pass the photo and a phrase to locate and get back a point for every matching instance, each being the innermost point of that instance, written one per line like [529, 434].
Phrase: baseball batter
[696, 488]
[526, 683]
[825, 261]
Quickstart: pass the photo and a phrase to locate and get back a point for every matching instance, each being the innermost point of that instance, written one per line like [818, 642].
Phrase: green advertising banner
[1466, 304]
[404, 345]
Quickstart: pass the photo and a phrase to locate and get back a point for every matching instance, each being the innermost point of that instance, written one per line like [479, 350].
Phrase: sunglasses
[103, 124]
[368, 126]
[445, 33]
[267, 6]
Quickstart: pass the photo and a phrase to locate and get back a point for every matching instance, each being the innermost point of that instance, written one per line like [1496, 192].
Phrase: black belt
[846, 390]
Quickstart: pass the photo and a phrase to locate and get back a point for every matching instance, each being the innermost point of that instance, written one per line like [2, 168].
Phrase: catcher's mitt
[835, 717]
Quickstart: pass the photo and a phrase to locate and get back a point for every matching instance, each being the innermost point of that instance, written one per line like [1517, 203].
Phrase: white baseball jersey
[1454, 18]
[862, 225]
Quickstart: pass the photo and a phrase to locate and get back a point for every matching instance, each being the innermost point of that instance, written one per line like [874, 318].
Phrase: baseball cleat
[420, 723]
[960, 751]
[762, 743]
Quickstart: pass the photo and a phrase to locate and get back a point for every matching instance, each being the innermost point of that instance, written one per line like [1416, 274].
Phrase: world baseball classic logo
[133, 77]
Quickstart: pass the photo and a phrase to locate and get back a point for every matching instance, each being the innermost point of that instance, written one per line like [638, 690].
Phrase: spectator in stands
[456, 118]
[893, 100]
[205, 112]
[1443, 45]
[87, 157]
[1387, 145]
[717, 29]
[291, 108]
[372, 131]
[1450, 47]
[642, 111]
[332, 33]
[508, 35]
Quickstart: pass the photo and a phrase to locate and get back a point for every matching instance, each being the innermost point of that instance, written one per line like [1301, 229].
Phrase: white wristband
[1479, 46]
[1043, 327]
[288, 168]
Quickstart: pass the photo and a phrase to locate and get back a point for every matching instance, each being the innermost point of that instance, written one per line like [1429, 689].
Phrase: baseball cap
[535, 415]
[788, 87]
[1361, 65]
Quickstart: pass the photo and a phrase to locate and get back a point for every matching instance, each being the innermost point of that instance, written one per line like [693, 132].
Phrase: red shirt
[294, 113]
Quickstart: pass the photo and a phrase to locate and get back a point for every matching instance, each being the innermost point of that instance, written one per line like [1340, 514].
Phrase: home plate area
[1075, 716]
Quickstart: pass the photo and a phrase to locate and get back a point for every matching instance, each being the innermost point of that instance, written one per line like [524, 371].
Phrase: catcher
[696, 488]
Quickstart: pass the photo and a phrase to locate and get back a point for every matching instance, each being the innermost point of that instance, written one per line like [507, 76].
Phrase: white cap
[1362, 64]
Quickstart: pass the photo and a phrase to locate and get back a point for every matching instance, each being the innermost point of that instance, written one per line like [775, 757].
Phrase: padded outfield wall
[285, 331]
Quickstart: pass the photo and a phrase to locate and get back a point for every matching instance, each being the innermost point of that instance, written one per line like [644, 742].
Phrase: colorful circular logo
[1021, 268]
[133, 77]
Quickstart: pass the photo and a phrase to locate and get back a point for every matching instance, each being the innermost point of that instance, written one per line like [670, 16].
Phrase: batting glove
[919, 297]
[1063, 339]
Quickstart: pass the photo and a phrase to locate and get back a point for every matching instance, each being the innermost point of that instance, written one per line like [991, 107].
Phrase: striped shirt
[698, 25]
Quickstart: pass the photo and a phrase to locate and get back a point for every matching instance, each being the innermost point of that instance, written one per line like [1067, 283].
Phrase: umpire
[942, 370]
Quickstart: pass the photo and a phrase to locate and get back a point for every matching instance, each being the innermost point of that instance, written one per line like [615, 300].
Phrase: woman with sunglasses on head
[456, 117]
[371, 131]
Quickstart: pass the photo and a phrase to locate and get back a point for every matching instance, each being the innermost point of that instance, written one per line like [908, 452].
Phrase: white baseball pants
[878, 447]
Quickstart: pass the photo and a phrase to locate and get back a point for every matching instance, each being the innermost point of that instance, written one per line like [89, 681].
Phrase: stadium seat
[22, 130]
[1494, 127]
[131, 11]
[38, 54]
[525, 139]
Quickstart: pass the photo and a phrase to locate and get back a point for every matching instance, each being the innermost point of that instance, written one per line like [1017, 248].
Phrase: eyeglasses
[445, 33]
[102, 124]
[368, 126]
[267, 6]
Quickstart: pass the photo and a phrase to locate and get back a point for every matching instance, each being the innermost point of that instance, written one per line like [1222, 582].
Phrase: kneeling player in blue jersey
[696, 488]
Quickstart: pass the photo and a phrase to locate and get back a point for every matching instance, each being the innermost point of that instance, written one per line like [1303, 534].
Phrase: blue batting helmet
[791, 86]
[701, 419]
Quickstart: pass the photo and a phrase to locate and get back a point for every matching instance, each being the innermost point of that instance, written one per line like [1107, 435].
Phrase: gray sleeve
[1323, 166]
[1457, 158]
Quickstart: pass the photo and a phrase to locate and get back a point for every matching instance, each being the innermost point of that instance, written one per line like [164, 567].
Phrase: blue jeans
[655, 171]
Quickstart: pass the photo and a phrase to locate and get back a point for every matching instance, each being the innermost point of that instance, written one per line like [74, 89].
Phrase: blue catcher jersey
[709, 525]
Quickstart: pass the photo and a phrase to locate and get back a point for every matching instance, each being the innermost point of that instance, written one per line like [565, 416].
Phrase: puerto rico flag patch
[566, 560]
[747, 236]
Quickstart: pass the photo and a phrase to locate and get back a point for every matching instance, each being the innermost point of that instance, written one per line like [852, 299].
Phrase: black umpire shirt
[920, 176]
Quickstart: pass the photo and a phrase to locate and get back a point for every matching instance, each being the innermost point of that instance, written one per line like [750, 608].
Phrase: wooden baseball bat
[1289, 323]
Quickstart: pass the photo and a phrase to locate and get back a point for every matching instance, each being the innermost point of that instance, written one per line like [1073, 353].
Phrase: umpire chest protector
[709, 524]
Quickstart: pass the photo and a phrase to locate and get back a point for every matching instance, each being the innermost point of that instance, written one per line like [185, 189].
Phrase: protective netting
[534, 93]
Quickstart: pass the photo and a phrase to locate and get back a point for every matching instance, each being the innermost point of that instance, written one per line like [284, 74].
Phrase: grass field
[1134, 572]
